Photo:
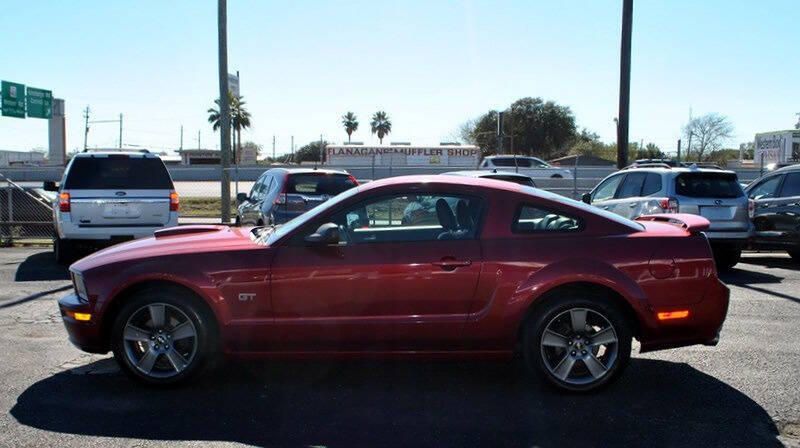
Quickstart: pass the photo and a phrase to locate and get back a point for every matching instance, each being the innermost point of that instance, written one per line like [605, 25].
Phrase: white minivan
[529, 166]
[109, 197]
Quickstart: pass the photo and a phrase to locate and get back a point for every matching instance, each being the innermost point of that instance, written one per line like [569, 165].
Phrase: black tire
[795, 254]
[727, 258]
[205, 356]
[63, 251]
[556, 176]
[238, 221]
[534, 353]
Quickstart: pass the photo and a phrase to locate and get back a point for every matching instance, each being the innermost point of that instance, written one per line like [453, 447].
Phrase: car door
[765, 197]
[387, 285]
[604, 195]
[787, 210]
[629, 195]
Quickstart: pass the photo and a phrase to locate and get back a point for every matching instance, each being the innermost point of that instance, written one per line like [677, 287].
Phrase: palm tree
[381, 124]
[350, 122]
[240, 119]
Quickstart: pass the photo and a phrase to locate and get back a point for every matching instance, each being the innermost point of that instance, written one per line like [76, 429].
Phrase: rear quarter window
[708, 185]
[330, 184]
[533, 219]
[117, 173]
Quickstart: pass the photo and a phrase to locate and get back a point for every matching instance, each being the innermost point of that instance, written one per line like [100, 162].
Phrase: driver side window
[607, 189]
[768, 188]
[410, 217]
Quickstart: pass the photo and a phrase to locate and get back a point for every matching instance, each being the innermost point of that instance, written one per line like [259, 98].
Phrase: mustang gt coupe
[497, 270]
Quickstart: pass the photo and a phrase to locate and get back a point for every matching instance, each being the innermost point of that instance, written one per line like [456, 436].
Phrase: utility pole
[624, 84]
[120, 131]
[181, 147]
[500, 132]
[679, 151]
[292, 148]
[321, 149]
[86, 127]
[691, 132]
[198, 140]
[273, 146]
[224, 112]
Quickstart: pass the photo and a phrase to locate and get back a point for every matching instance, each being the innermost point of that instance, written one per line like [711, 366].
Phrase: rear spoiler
[692, 223]
[185, 230]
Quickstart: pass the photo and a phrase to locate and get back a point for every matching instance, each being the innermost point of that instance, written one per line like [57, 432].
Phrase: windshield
[285, 229]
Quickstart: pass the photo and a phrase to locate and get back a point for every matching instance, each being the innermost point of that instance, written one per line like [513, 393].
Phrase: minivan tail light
[174, 202]
[63, 202]
[353, 179]
[751, 208]
[669, 205]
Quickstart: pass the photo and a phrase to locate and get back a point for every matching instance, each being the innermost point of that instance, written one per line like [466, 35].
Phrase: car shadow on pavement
[655, 403]
[784, 262]
[740, 276]
[41, 266]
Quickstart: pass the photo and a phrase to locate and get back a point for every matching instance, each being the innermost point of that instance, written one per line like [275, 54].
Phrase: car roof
[432, 179]
[785, 169]
[115, 153]
[676, 170]
[485, 173]
[308, 170]
[511, 156]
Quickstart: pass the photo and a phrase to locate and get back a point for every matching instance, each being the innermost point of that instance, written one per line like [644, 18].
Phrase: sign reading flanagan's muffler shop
[461, 156]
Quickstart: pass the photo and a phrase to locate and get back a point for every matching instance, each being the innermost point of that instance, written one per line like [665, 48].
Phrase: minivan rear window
[708, 185]
[319, 183]
[117, 173]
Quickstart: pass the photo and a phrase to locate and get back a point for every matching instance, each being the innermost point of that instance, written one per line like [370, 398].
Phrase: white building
[21, 158]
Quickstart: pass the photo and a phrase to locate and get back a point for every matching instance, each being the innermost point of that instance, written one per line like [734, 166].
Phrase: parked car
[109, 197]
[531, 166]
[281, 194]
[524, 271]
[509, 176]
[712, 193]
[777, 210]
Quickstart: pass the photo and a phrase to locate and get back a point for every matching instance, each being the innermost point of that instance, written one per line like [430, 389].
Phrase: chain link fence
[26, 213]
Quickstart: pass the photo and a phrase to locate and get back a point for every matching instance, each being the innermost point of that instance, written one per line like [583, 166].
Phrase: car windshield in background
[516, 179]
[319, 183]
[708, 185]
[118, 173]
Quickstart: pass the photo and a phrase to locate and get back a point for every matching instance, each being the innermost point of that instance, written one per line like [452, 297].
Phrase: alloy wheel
[579, 346]
[160, 340]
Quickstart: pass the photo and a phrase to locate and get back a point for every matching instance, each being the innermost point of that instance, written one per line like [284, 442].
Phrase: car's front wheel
[727, 258]
[578, 341]
[164, 336]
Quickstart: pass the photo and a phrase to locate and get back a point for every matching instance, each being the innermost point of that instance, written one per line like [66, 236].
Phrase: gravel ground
[741, 393]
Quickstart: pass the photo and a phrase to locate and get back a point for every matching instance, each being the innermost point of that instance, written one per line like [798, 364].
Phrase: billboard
[461, 156]
[776, 147]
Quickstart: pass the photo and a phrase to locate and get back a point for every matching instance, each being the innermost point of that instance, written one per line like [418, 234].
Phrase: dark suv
[281, 194]
[777, 210]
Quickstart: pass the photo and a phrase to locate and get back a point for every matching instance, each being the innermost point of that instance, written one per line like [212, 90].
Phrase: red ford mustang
[494, 269]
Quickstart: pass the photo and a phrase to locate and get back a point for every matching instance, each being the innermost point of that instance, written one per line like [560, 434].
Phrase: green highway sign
[13, 96]
[40, 103]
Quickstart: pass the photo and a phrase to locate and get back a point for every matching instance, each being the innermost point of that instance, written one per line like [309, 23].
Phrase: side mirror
[587, 198]
[327, 233]
[49, 185]
[241, 198]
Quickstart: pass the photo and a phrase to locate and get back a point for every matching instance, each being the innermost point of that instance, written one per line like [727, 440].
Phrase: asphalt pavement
[743, 392]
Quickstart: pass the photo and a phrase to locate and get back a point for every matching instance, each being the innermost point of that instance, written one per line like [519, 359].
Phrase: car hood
[173, 241]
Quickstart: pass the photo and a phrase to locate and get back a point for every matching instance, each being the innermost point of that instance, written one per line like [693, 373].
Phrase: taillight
[174, 202]
[352, 179]
[751, 208]
[669, 205]
[63, 202]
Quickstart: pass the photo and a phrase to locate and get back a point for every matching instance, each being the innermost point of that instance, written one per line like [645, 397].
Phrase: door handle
[449, 264]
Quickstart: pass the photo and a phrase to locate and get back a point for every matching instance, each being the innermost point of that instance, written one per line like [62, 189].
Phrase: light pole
[224, 111]
[624, 84]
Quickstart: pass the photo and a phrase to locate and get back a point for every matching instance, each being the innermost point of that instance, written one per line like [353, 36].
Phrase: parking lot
[741, 393]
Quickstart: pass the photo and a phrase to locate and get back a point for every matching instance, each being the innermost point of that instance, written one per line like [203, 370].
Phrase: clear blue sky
[430, 64]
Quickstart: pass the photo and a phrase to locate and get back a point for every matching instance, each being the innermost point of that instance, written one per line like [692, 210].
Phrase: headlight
[80, 285]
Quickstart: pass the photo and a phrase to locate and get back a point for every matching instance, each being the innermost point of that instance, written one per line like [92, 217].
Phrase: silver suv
[109, 197]
[712, 193]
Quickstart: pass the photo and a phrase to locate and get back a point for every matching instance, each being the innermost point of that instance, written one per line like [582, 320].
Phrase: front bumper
[703, 325]
[86, 335]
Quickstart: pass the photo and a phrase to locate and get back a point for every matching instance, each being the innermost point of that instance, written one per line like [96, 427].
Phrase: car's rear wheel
[727, 258]
[63, 250]
[164, 336]
[578, 341]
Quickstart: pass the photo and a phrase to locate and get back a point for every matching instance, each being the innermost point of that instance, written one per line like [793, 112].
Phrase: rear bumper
[72, 231]
[702, 326]
[740, 237]
[86, 335]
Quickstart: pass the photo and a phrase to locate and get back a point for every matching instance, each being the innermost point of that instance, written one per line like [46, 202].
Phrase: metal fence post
[575, 178]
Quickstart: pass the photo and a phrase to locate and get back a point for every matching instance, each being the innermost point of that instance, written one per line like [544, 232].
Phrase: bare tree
[708, 133]
[463, 134]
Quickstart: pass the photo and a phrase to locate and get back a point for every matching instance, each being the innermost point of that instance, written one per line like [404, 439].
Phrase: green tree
[651, 151]
[350, 122]
[531, 126]
[240, 119]
[311, 152]
[381, 124]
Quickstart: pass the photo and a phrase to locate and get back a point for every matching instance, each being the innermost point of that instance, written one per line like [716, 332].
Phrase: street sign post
[40, 103]
[13, 99]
